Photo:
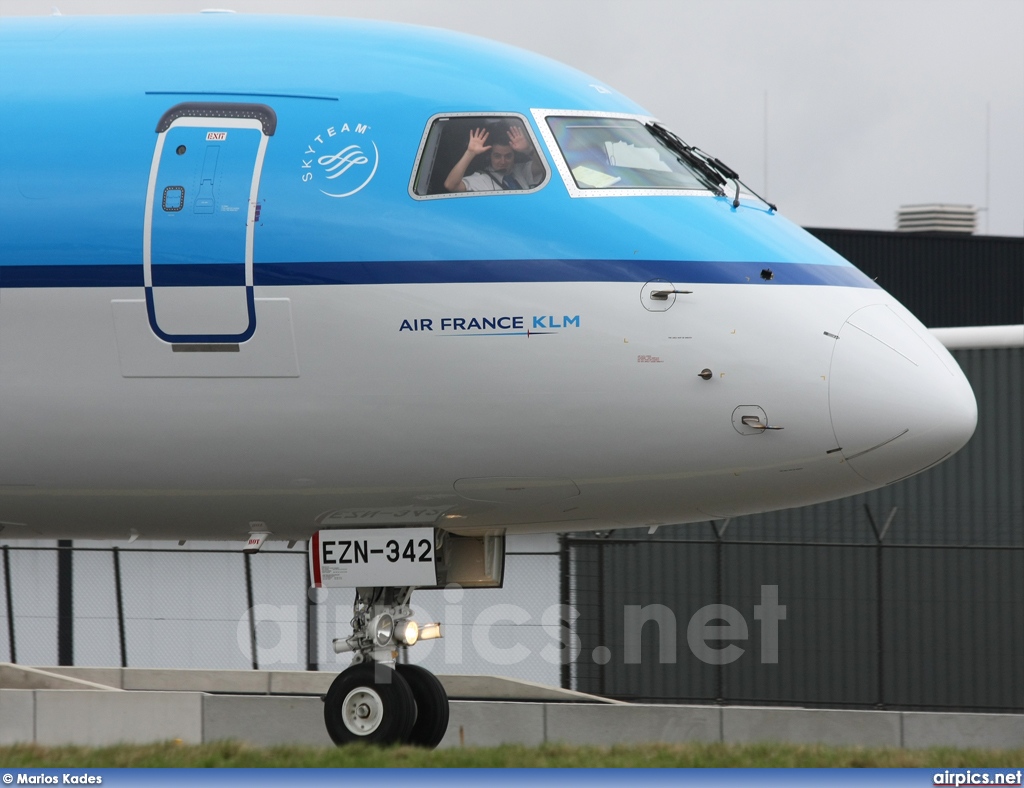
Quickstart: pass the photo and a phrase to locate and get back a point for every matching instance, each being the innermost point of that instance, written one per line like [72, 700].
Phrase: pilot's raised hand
[517, 140]
[478, 141]
[477, 145]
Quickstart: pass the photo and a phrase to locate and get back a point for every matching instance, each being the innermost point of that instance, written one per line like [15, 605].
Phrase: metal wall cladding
[944, 279]
[954, 635]
[929, 616]
[828, 593]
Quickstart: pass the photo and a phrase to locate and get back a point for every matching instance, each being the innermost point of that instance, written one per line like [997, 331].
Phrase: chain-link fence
[211, 606]
[663, 619]
[711, 613]
[148, 606]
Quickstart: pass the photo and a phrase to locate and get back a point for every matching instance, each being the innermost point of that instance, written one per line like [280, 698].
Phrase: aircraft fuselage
[212, 314]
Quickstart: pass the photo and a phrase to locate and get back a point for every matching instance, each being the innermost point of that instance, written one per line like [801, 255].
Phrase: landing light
[430, 631]
[409, 633]
[382, 629]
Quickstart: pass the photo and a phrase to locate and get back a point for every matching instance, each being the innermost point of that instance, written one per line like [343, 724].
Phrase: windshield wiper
[715, 171]
[685, 153]
[731, 174]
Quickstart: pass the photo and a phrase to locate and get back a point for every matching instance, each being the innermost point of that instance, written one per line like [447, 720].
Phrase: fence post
[564, 602]
[880, 610]
[65, 604]
[720, 585]
[602, 634]
[10, 606]
[120, 607]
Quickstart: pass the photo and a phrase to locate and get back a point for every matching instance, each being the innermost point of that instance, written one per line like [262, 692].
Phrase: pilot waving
[503, 172]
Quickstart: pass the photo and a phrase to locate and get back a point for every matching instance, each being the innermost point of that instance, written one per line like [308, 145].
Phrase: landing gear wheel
[358, 707]
[431, 703]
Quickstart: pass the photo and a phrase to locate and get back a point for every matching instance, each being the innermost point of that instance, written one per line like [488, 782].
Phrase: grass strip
[234, 754]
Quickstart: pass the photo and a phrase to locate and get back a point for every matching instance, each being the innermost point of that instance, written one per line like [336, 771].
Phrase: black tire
[431, 706]
[369, 703]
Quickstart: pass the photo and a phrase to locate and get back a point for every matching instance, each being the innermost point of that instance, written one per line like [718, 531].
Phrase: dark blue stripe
[435, 272]
[470, 271]
[198, 275]
[71, 276]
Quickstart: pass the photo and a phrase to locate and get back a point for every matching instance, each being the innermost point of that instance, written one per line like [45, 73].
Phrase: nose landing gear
[373, 702]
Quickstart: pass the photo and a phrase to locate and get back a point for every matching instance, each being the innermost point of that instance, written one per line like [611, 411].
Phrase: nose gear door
[200, 215]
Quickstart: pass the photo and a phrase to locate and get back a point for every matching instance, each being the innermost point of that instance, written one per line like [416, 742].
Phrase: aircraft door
[201, 210]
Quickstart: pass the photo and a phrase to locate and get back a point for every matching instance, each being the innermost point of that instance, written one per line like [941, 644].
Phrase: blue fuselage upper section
[82, 100]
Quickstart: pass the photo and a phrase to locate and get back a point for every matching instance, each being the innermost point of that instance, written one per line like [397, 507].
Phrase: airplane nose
[899, 401]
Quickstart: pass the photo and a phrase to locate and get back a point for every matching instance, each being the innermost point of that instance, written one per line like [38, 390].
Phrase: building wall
[944, 279]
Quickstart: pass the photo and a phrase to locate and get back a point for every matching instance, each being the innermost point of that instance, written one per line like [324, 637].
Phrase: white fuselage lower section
[346, 404]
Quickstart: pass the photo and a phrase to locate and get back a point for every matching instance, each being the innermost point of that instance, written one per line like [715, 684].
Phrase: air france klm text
[518, 323]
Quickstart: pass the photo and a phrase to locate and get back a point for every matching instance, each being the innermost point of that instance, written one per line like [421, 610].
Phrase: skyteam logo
[341, 160]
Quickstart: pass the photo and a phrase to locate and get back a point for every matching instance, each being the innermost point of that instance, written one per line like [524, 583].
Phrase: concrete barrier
[103, 718]
[107, 677]
[17, 716]
[300, 682]
[989, 731]
[840, 727]
[247, 682]
[492, 723]
[273, 682]
[23, 677]
[70, 716]
[502, 688]
[631, 724]
[265, 721]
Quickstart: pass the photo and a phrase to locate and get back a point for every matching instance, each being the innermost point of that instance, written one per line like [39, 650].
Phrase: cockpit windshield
[620, 153]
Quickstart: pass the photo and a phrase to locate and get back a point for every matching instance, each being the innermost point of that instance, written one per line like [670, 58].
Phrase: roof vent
[937, 218]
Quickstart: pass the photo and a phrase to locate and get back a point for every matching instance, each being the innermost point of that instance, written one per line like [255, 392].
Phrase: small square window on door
[200, 208]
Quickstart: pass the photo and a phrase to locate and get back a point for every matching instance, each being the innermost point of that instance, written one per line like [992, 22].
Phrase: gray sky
[871, 104]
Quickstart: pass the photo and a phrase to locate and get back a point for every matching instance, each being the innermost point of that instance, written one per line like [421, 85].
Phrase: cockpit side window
[619, 153]
[478, 154]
